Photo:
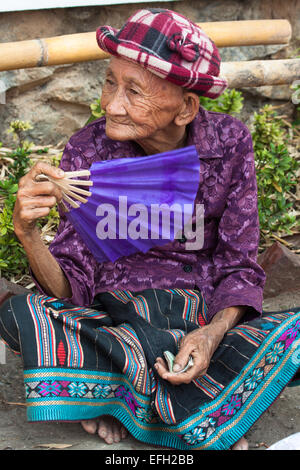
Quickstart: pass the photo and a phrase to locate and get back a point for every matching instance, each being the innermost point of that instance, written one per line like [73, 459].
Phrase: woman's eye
[133, 91]
[108, 81]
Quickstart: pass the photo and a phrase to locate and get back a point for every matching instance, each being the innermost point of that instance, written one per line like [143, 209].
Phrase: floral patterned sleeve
[238, 279]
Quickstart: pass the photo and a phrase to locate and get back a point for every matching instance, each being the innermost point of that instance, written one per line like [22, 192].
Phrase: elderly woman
[92, 342]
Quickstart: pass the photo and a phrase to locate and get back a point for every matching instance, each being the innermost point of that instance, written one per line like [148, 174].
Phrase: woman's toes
[124, 433]
[102, 429]
[109, 439]
[108, 428]
[116, 432]
[242, 444]
[90, 426]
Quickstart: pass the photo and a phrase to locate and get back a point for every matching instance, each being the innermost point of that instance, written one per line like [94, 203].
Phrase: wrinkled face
[138, 104]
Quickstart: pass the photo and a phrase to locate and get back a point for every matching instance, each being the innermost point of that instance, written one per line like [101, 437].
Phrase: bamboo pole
[83, 47]
[248, 32]
[260, 72]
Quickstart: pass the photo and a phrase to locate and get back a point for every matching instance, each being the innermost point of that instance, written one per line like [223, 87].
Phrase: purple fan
[134, 204]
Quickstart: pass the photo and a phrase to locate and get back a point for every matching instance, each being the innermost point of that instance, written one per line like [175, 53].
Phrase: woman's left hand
[201, 345]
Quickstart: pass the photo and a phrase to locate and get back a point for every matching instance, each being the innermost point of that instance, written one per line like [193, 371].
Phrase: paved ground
[279, 421]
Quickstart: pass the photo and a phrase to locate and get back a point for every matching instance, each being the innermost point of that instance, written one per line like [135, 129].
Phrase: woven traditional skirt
[81, 363]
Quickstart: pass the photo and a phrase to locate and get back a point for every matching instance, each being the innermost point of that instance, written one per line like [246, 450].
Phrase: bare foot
[242, 444]
[107, 427]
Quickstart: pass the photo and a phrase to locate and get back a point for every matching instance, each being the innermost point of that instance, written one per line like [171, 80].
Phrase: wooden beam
[260, 72]
[248, 32]
[83, 47]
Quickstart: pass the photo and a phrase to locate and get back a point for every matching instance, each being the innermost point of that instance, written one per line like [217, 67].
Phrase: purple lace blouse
[225, 269]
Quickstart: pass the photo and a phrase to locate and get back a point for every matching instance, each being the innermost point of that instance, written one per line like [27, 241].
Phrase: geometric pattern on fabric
[81, 363]
[170, 46]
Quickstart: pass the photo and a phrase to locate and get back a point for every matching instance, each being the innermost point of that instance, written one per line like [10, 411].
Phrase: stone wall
[56, 99]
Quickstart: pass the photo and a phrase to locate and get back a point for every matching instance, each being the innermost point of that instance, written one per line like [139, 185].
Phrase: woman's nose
[115, 104]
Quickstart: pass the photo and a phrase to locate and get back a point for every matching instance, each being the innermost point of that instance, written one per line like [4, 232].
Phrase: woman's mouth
[117, 122]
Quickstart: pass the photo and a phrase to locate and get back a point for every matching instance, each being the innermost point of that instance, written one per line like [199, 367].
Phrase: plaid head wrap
[170, 46]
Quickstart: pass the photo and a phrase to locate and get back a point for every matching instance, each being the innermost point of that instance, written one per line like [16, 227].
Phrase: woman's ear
[189, 108]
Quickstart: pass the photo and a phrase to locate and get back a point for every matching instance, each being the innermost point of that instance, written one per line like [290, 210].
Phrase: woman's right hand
[35, 199]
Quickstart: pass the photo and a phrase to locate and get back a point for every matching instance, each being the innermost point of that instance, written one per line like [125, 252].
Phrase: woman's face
[138, 104]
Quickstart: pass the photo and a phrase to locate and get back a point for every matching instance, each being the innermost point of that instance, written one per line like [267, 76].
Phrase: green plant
[13, 260]
[96, 111]
[7, 187]
[230, 102]
[21, 162]
[18, 129]
[276, 173]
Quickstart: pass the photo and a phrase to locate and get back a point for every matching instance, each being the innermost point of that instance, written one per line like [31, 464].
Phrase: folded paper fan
[132, 204]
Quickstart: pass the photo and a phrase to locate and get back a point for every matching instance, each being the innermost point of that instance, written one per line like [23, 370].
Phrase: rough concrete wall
[56, 99]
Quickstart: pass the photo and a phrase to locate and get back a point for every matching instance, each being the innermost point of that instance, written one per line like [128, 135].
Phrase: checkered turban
[170, 46]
